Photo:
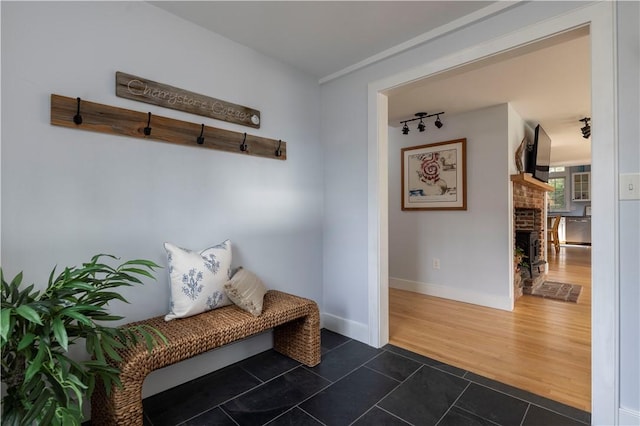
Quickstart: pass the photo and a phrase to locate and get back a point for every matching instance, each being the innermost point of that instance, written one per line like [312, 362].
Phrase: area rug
[558, 291]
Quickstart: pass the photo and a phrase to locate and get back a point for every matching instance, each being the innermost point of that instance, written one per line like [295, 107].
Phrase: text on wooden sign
[144, 90]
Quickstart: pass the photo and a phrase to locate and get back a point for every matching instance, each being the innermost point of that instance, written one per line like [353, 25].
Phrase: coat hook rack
[125, 122]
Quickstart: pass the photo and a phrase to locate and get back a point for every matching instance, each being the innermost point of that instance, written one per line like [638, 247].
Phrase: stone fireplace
[529, 229]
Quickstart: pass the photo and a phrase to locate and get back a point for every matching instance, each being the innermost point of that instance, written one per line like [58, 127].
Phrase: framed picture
[434, 176]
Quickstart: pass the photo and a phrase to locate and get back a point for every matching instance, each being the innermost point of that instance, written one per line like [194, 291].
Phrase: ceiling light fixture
[421, 126]
[586, 129]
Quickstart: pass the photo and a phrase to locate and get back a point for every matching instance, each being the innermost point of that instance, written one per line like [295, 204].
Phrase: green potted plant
[44, 385]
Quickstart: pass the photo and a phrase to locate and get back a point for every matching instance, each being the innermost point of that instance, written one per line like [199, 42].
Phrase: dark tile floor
[354, 384]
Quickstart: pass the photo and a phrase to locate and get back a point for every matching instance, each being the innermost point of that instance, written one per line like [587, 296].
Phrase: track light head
[438, 123]
[405, 129]
[421, 126]
[586, 129]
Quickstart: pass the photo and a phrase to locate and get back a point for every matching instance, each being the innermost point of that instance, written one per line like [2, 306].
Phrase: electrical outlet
[630, 186]
[436, 263]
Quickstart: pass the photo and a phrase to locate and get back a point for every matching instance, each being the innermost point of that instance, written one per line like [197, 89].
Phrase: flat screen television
[538, 155]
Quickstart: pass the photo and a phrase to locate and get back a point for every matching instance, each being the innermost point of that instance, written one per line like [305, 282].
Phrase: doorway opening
[604, 382]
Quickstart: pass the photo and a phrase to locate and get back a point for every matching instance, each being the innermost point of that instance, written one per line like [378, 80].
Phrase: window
[557, 198]
[556, 169]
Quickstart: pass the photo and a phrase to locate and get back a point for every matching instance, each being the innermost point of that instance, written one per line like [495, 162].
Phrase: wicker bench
[296, 324]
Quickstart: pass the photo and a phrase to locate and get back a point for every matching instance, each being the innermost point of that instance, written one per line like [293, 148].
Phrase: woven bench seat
[296, 324]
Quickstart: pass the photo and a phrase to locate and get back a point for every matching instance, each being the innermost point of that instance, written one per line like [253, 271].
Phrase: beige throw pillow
[246, 290]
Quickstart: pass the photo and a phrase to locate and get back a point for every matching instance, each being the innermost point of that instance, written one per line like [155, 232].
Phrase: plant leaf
[48, 415]
[35, 364]
[28, 313]
[108, 348]
[60, 333]
[76, 284]
[16, 281]
[37, 407]
[5, 315]
[26, 340]
[76, 316]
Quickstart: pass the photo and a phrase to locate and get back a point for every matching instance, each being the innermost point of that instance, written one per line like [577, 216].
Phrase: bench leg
[300, 339]
[122, 407]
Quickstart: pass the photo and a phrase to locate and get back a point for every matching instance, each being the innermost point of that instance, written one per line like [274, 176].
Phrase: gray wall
[68, 194]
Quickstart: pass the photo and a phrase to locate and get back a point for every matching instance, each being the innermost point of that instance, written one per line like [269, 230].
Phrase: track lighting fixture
[586, 129]
[421, 126]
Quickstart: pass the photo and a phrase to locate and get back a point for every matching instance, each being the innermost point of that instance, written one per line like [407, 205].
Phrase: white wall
[68, 194]
[629, 214]
[472, 245]
[344, 137]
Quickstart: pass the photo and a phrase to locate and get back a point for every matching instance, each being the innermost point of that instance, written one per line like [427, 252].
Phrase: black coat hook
[200, 139]
[278, 152]
[147, 130]
[243, 146]
[78, 118]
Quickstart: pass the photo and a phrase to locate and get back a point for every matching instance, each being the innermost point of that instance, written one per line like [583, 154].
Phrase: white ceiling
[548, 83]
[321, 37]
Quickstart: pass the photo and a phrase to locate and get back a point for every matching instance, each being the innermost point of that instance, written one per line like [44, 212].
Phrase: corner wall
[69, 194]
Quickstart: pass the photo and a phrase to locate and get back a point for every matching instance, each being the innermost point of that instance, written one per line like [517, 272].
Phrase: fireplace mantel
[527, 180]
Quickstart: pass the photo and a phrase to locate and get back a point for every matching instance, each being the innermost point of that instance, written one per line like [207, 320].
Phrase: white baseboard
[628, 417]
[352, 329]
[460, 295]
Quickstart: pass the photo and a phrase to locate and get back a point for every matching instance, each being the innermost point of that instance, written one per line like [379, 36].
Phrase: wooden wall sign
[143, 90]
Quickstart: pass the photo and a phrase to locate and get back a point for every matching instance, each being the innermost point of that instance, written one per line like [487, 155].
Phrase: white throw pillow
[197, 279]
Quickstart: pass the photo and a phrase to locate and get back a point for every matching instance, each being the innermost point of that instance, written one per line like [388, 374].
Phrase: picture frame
[434, 176]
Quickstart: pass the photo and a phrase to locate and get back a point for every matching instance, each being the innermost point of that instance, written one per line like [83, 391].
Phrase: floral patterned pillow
[197, 279]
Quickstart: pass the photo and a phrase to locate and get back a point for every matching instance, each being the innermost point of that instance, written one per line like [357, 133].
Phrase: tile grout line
[391, 414]
[453, 403]
[525, 414]
[400, 382]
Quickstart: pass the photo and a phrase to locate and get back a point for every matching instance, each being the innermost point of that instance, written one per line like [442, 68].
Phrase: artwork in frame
[434, 176]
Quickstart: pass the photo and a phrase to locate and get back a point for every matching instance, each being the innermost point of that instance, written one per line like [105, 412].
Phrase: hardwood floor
[543, 346]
